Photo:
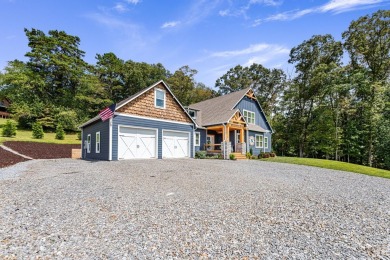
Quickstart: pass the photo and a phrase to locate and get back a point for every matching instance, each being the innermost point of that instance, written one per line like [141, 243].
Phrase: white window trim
[261, 143]
[155, 98]
[96, 142]
[89, 139]
[265, 142]
[197, 144]
[252, 113]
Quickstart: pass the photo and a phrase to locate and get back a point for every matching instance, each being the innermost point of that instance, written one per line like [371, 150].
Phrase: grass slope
[26, 136]
[334, 165]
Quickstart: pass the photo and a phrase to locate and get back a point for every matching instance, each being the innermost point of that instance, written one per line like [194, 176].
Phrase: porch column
[241, 135]
[227, 134]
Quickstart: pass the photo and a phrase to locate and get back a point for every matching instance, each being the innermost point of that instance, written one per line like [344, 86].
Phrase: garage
[175, 144]
[136, 143]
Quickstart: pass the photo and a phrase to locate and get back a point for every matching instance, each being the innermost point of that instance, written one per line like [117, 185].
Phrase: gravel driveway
[67, 208]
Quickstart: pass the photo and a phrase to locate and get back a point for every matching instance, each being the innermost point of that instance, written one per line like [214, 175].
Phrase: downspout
[263, 143]
[82, 144]
[193, 141]
[110, 139]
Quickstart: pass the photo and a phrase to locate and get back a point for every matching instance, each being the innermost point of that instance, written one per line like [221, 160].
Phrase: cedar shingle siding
[144, 106]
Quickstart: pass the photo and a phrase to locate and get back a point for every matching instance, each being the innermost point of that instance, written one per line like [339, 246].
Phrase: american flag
[107, 113]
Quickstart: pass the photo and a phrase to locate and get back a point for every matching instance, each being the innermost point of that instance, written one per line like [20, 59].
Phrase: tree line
[326, 109]
[56, 86]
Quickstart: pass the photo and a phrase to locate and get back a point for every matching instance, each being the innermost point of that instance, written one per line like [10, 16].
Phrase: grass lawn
[334, 165]
[26, 136]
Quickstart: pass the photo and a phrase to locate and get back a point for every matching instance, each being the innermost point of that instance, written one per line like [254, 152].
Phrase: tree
[110, 71]
[37, 131]
[315, 61]
[235, 79]
[60, 133]
[367, 41]
[268, 84]
[9, 129]
[182, 83]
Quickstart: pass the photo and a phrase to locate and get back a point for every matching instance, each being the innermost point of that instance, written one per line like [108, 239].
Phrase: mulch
[8, 158]
[35, 150]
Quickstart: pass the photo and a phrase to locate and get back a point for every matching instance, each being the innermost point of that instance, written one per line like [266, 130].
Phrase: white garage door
[136, 143]
[175, 144]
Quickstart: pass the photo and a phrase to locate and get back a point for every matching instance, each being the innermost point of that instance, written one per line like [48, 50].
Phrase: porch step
[239, 156]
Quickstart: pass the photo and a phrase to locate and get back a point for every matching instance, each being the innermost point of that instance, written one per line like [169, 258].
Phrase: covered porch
[227, 138]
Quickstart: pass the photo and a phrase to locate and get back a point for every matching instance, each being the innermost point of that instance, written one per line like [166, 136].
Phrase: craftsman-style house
[153, 124]
[232, 123]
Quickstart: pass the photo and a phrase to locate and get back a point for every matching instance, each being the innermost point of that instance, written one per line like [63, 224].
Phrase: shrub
[253, 157]
[60, 133]
[78, 135]
[266, 155]
[9, 129]
[37, 131]
[272, 154]
[251, 151]
[200, 154]
[248, 155]
[232, 156]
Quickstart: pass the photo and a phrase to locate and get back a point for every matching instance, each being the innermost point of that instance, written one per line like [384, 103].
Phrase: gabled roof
[217, 110]
[139, 93]
[220, 109]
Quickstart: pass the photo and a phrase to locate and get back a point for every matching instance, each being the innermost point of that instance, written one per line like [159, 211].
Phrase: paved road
[190, 209]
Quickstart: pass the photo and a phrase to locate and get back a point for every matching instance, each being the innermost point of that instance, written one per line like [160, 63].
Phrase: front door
[210, 142]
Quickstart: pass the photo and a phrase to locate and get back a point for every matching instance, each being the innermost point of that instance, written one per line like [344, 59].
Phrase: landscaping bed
[8, 158]
[42, 150]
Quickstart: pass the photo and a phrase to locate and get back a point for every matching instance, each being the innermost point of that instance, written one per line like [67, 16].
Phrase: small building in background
[4, 105]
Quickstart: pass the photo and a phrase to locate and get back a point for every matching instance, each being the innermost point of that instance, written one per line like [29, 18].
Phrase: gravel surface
[153, 209]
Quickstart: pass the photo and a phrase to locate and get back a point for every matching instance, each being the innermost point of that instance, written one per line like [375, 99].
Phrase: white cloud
[170, 24]
[335, 6]
[134, 2]
[256, 48]
[121, 8]
[224, 12]
[339, 6]
[266, 2]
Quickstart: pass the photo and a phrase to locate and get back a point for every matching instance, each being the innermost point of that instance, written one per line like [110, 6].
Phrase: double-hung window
[259, 141]
[265, 142]
[159, 98]
[249, 117]
[97, 142]
[197, 139]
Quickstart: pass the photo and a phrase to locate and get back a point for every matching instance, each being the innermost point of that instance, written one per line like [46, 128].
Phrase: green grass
[334, 165]
[26, 136]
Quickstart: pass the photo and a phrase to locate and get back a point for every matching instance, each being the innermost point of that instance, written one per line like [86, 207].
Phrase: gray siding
[146, 123]
[251, 105]
[202, 139]
[91, 129]
[255, 150]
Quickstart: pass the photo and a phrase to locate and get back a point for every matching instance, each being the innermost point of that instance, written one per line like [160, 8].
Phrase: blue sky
[210, 36]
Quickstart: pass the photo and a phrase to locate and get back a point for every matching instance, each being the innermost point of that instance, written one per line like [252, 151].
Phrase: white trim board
[151, 118]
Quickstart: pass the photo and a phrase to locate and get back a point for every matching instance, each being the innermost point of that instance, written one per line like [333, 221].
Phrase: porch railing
[212, 147]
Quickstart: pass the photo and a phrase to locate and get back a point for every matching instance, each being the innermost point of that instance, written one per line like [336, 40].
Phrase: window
[197, 139]
[88, 143]
[265, 142]
[259, 141]
[97, 142]
[249, 116]
[192, 113]
[159, 100]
